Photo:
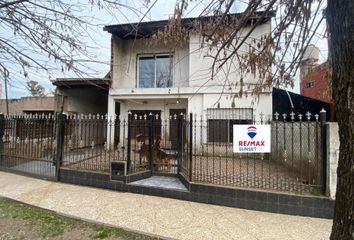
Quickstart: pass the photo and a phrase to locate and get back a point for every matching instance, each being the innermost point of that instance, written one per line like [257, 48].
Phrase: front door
[140, 124]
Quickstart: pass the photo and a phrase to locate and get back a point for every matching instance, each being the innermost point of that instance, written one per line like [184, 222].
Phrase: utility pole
[7, 101]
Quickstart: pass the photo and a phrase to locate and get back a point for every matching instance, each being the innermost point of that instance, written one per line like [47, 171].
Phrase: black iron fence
[198, 147]
[28, 144]
[143, 142]
[86, 145]
[295, 163]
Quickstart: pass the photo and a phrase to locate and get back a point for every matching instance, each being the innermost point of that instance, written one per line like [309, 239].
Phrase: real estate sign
[251, 138]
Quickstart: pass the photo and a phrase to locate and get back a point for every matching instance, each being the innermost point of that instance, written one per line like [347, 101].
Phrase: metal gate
[28, 144]
[157, 144]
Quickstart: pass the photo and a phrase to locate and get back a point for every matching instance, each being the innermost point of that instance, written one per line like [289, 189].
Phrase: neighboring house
[153, 78]
[82, 95]
[39, 105]
[315, 78]
[315, 84]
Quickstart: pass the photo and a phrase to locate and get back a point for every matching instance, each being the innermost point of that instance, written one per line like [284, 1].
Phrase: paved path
[165, 217]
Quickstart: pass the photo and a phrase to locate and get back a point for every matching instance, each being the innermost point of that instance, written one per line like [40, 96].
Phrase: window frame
[171, 55]
[229, 128]
[230, 121]
[310, 84]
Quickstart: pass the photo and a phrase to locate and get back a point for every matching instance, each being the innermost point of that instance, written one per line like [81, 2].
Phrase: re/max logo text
[251, 143]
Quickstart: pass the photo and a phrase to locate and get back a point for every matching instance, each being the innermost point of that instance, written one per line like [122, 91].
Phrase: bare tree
[37, 31]
[341, 46]
[275, 58]
[35, 89]
[47, 36]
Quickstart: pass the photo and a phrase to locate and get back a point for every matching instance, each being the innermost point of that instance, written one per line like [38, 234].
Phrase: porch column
[110, 121]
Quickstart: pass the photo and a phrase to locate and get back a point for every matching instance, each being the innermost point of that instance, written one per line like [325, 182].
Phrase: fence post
[324, 150]
[180, 141]
[151, 140]
[190, 145]
[2, 132]
[129, 142]
[59, 131]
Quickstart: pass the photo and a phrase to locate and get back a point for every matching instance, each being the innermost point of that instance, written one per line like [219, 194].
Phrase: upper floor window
[309, 84]
[155, 71]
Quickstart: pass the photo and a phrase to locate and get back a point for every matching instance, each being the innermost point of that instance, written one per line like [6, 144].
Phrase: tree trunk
[340, 21]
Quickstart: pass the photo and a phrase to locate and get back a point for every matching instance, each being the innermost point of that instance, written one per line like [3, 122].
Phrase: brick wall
[28, 104]
[320, 90]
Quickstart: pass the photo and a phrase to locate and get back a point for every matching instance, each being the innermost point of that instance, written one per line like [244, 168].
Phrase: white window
[309, 84]
[155, 71]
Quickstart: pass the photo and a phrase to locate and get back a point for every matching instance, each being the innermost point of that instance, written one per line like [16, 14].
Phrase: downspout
[290, 100]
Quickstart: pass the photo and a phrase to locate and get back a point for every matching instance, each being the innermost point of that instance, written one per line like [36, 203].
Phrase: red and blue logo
[252, 131]
[251, 138]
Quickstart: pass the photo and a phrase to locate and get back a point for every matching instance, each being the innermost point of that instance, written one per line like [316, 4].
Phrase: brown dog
[160, 157]
[143, 154]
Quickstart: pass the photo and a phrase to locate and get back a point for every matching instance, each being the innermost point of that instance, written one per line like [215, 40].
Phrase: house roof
[75, 82]
[146, 29]
[286, 101]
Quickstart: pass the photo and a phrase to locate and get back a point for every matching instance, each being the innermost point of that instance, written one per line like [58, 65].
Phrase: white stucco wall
[332, 157]
[191, 68]
[200, 64]
[125, 57]
[199, 99]
[259, 103]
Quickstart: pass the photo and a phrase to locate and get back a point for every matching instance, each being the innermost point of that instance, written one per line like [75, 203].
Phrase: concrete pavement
[168, 218]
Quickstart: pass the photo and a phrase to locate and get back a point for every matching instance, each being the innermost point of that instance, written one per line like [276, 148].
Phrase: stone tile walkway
[42, 168]
[169, 218]
[161, 182]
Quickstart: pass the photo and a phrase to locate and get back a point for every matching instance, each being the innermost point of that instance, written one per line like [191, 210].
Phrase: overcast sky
[99, 40]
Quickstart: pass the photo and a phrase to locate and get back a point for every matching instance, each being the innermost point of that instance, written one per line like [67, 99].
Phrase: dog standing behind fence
[143, 155]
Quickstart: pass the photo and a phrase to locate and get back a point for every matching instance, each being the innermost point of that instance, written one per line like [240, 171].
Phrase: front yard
[19, 221]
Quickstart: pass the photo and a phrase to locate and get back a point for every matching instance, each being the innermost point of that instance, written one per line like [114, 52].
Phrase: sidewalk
[164, 217]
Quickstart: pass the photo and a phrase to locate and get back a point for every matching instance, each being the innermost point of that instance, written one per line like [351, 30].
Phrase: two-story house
[164, 80]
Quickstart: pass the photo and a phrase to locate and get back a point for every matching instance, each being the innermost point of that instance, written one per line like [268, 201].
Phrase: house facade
[154, 78]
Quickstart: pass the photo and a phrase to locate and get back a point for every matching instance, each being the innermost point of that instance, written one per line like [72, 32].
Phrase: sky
[99, 40]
